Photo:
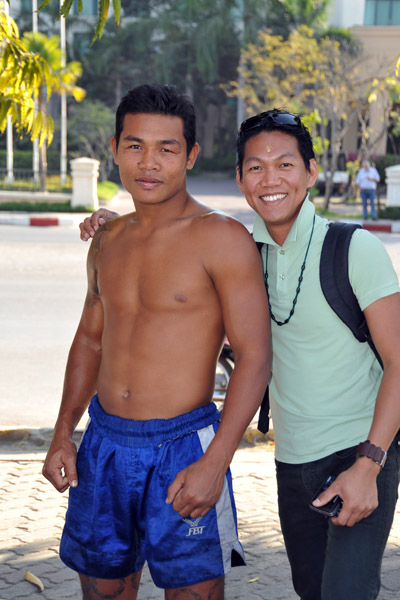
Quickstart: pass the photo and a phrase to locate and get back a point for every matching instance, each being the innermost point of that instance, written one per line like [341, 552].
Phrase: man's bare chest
[155, 276]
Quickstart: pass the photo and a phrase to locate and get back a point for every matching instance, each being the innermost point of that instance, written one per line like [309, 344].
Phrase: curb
[391, 227]
[40, 221]
[73, 220]
[383, 226]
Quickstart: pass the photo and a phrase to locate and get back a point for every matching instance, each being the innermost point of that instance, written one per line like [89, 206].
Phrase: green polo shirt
[324, 382]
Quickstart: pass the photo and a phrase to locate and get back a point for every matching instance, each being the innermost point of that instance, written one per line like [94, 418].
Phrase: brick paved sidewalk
[32, 514]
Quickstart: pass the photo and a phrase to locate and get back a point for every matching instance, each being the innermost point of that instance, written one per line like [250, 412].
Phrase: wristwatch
[371, 451]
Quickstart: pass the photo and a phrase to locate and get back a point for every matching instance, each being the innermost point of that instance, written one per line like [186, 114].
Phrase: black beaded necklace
[303, 266]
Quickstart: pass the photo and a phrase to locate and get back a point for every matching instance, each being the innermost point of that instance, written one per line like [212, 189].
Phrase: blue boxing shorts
[117, 517]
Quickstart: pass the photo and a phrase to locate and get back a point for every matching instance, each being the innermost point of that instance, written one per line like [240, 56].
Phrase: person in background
[366, 183]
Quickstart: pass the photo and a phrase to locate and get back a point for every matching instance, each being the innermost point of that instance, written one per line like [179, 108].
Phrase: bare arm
[357, 485]
[91, 224]
[237, 275]
[79, 383]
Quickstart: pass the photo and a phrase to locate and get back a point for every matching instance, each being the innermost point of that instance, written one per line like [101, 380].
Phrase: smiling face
[275, 180]
[152, 157]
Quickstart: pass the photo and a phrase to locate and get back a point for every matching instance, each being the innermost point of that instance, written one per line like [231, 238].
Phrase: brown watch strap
[371, 451]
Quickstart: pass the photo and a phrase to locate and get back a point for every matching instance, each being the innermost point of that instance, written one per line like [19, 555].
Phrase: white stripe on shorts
[225, 519]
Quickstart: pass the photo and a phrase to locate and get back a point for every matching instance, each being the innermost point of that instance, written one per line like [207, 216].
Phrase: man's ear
[193, 154]
[113, 144]
[312, 173]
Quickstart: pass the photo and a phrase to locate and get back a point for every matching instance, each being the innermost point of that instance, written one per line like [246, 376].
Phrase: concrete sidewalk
[33, 513]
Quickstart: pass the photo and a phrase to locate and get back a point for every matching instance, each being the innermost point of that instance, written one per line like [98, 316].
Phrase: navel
[180, 298]
[126, 395]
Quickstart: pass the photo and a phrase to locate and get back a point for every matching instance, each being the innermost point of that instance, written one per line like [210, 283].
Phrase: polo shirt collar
[300, 228]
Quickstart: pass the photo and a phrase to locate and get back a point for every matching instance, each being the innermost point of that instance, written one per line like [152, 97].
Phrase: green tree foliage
[196, 38]
[30, 69]
[288, 15]
[192, 45]
[120, 59]
[21, 74]
[386, 90]
[306, 75]
[103, 12]
[196, 45]
[55, 78]
[90, 127]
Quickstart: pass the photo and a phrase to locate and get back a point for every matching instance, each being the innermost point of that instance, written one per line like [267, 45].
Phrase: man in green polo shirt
[328, 393]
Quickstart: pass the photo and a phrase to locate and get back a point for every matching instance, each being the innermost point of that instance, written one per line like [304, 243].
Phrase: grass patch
[330, 214]
[60, 207]
[27, 185]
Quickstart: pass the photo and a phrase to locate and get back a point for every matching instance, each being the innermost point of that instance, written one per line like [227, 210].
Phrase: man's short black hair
[275, 120]
[159, 100]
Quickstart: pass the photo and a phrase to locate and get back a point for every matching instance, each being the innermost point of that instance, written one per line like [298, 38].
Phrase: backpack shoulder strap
[263, 418]
[259, 246]
[335, 284]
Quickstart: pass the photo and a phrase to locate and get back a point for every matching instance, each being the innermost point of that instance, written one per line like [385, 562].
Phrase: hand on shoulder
[91, 224]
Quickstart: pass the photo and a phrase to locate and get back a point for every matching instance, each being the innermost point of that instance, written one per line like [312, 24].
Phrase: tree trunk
[328, 189]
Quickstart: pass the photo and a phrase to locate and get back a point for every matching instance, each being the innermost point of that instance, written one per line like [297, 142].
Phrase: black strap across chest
[336, 287]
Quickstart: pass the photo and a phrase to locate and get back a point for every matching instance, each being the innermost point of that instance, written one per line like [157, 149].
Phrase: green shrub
[106, 190]
[23, 159]
[390, 212]
[59, 207]
[388, 160]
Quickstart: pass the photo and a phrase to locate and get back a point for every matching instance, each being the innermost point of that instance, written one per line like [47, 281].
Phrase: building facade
[376, 24]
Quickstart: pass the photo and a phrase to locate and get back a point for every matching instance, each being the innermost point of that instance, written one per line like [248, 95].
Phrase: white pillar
[35, 148]
[393, 185]
[85, 172]
[63, 119]
[10, 147]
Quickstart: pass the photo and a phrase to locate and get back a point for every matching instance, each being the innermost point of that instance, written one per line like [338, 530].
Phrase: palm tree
[55, 78]
[287, 15]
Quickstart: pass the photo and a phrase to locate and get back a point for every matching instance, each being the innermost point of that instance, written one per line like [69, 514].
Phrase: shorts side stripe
[224, 509]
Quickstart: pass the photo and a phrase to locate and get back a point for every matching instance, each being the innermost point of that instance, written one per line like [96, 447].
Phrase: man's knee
[208, 590]
[125, 588]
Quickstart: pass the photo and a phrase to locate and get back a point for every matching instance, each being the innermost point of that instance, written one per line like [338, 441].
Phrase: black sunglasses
[281, 118]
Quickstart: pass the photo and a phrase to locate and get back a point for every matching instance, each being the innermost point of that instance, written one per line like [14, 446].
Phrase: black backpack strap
[259, 246]
[335, 284]
[263, 417]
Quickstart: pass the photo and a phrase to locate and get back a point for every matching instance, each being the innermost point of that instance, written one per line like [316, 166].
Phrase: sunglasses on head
[281, 118]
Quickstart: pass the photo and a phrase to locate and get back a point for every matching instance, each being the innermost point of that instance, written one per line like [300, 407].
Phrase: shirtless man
[328, 391]
[165, 284]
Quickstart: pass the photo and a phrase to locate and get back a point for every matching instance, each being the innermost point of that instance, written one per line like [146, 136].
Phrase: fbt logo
[194, 528]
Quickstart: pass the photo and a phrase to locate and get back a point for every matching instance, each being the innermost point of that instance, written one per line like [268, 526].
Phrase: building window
[382, 12]
[89, 8]
[26, 5]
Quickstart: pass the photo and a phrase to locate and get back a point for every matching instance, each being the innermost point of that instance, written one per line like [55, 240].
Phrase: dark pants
[331, 562]
[365, 196]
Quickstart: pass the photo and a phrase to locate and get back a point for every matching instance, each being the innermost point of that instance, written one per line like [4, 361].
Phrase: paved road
[42, 287]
